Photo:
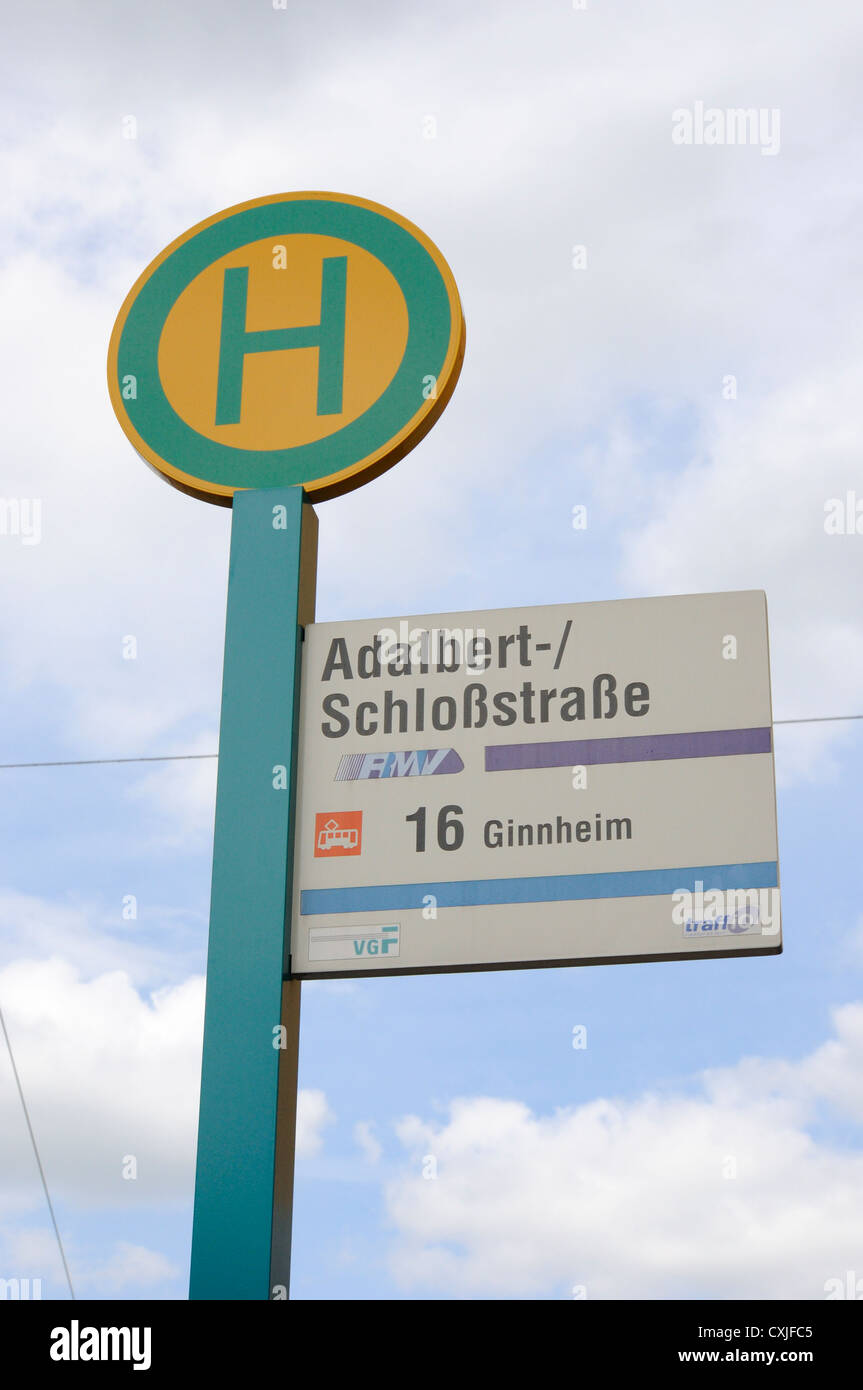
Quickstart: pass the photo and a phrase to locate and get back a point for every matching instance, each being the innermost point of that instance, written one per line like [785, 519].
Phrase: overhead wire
[36, 1152]
[193, 757]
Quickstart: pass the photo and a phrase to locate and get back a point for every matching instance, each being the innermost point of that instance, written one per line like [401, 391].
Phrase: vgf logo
[307, 338]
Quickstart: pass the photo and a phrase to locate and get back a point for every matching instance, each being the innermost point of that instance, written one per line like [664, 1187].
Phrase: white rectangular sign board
[575, 784]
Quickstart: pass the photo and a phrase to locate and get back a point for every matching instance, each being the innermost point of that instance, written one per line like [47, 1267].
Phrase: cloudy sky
[666, 333]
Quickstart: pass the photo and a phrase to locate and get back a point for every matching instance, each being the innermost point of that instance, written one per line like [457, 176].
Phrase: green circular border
[429, 332]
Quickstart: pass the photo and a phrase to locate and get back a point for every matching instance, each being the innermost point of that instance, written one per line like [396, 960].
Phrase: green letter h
[328, 337]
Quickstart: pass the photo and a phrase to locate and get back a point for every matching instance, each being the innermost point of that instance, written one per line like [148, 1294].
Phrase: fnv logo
[305, 338]
[338, 833]
[425, 762]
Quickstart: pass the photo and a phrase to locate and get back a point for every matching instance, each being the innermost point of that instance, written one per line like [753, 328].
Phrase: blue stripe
[557, 888]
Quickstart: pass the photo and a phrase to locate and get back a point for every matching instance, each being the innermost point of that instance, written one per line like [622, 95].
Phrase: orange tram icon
[338, 833]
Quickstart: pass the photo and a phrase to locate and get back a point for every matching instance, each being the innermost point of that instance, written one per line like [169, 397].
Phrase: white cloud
[32, 1253]
[129, 1265]
[181, 796]
[553, 128]
[723, 1193]
[366, 1140]
[95, 938]
[313, 1116]
[545, 138]
[106, 1074]
[750, 514]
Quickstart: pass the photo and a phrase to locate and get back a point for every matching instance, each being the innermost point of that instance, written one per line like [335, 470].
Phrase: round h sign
[304, 338]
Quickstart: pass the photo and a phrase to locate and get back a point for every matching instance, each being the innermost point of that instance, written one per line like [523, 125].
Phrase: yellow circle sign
[307, 338]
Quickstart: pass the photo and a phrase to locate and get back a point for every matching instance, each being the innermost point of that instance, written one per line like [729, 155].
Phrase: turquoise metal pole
[270, 569]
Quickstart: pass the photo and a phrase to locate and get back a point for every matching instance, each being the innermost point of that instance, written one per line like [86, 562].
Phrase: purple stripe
[647, 748]
[451, 763]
